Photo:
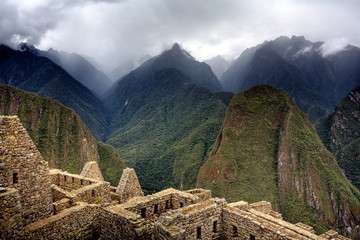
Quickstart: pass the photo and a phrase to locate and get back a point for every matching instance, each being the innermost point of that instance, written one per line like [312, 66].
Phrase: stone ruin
[38, 203]
[92, 170]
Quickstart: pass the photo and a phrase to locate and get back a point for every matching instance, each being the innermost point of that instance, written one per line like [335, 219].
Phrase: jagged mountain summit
[219, 65]
[163, 122]
[315, 74]
[268, 149]
[77, 66]
[340, 133]
[40, 75]
[178, 58]
[63, 140]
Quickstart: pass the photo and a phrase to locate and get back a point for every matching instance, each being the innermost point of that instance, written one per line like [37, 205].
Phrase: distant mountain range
[267, 149]
[77, 66]
[24, 70]
[163, 122]
[316, 77]
[219, 65]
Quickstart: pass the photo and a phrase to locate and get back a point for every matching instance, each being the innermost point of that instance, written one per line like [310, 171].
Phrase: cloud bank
[114, 32]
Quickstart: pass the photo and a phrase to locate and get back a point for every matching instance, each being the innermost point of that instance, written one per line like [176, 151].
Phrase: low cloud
[333, 46]
[115, 32]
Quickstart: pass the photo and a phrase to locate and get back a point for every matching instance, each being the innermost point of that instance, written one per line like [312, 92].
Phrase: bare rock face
[267, 149]
[340, 133]
[129, 185]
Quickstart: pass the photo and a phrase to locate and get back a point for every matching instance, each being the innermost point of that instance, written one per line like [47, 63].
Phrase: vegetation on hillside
[58, 132]
[267, 149]
[165, 127]
[340, 134]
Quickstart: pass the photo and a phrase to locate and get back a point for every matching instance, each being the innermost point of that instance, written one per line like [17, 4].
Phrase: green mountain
[163, 125]
[31, 73]
[267, 149]
[58, 132]
[340, 133]
[316, 79]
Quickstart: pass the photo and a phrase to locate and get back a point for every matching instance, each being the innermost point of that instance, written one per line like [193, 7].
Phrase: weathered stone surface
[92, 170]
[129, 185]
[10, 214]
[23, 168]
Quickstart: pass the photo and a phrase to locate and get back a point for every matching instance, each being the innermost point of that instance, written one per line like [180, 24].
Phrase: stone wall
[95, 193]
[123, 225]
[198, 221]
[92, 170]
[10, 214]
[78, 188]
[160, 202]
[202, 194]
[58, 193]
[23, 168]
[129, 185]
[61, 205]
[79, 222]
[69, 181]
[253, 224]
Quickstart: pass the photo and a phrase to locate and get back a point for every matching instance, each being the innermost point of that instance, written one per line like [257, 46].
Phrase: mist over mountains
[170, 119]
[317, 75]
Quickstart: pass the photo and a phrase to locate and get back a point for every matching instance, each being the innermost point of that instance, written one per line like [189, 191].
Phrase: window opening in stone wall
[198, 232]
[167, 205]
[93, 193]
[156, 208]
[181, 204]
[214, 226]
[64, 178]
[235, 230]
[143, 212]
[15, 178]
[73, 180]
[81, 181]
[252, 237]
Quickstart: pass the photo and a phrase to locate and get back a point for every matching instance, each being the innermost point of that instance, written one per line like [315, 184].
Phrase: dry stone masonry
[92, 170]
[129, 185]
[39, 203]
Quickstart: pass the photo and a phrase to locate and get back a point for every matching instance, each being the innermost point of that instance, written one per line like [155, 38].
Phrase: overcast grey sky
[114, 31]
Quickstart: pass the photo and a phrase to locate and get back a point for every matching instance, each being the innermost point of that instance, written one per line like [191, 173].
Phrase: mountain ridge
[60, 135]
[316, 80]
[267, 149]
[40, 75]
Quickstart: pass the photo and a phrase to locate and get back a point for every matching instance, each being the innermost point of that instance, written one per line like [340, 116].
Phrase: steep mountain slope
[110, 163]
[267, 149]
[36, 74]
[77, 66]
[340, 133]
[163, 124]
[58, 132]
[219, 65]
[178, 58]
[316, 79]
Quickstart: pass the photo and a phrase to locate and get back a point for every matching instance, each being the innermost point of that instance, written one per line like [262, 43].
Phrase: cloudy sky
[115, 31]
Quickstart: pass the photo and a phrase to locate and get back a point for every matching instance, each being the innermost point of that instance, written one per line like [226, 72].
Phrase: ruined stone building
[39, 203]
